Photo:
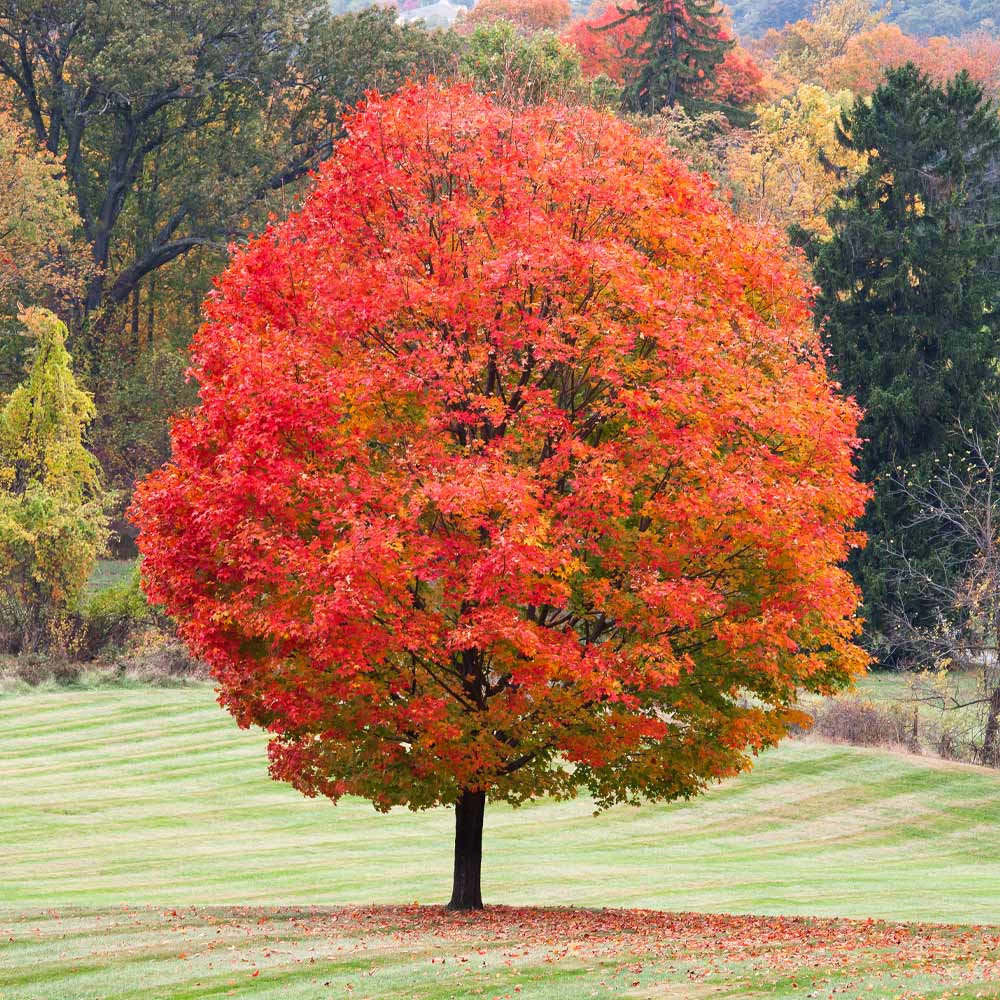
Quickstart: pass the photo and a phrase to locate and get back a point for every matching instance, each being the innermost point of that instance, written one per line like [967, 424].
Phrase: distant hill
[916, 17]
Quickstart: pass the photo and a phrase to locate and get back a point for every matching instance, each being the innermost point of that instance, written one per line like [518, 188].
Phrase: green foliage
[180, 122]
[908, 287]
[677, 52]
[52, 506]
[131, 432]
[114, 611]
[501, 60]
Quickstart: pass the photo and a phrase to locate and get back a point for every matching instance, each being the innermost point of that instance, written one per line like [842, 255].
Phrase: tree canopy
[205, 107]
[908, 286]
[516, 471]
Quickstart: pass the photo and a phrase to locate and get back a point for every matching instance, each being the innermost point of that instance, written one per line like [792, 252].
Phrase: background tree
[52, 523]
[528, 15]
[42, 258]
[802, 51]
[787, 169]
[224, 103]
[675, 55]
[607, 42]
[518, 69]
[908, 286]
[960, 503]
[516, 471]
[918, 18]
[180, 129]
[868, 55]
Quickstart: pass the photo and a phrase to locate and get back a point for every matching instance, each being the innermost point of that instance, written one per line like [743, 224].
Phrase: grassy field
[109, 573]
[123, 806]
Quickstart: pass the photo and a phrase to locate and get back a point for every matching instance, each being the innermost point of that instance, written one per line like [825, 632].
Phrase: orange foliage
[870, 54]
[605, 49]
[529, 15]
[739, 80]
[517, 469]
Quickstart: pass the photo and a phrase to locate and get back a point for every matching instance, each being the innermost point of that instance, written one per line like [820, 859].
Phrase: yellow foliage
[788, 168]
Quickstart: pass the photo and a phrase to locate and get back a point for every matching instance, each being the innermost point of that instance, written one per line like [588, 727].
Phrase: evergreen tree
[52, 506]
[676, 53]
[908, 289]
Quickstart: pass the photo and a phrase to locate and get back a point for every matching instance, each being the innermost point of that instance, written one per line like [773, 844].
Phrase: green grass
[155, 797]
[153, 800]
[108, 573]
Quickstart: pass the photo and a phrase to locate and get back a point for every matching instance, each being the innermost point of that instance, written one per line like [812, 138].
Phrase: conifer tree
[52, 506]
[908, 287]
[676, 54]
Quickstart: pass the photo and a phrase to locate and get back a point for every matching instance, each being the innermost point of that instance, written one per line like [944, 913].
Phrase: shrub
[53, 521]
[861, 723]
[112, 613]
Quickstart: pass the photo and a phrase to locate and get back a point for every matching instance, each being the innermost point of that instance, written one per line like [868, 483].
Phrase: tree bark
[466, 893]
[991, 737]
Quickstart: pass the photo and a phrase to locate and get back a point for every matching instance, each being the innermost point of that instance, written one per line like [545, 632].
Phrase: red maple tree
[516, 471]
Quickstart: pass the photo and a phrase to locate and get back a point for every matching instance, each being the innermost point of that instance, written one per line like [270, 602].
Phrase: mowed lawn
[147, 853]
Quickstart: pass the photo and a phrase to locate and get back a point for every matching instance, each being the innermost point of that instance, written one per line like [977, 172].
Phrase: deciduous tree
[802, 51]
[42, 257]
[517, 471]
[528, 15]
[868, 55]
[516, 69]
[229, 101]
[787, 169]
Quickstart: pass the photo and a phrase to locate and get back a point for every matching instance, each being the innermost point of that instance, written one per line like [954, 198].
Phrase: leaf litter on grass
[424, 953]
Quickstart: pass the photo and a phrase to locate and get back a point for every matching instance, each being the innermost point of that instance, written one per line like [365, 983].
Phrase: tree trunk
[991, 738]
[466, 893]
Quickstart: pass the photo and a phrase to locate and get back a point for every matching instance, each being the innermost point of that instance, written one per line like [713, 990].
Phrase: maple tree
[870, 54]
[604, 41]
[516, 472]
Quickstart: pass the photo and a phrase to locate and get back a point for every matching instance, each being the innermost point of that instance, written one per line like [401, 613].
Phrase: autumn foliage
[528, 15]
[516, 470]
[868, 55]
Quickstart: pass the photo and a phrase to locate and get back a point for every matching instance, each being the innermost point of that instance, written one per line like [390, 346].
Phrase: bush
[112, 613]
[161, 660]
[35, 669]
[861, 723]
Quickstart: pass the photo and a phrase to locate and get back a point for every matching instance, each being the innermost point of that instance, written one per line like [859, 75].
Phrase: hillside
[155, 797]
[916, 17]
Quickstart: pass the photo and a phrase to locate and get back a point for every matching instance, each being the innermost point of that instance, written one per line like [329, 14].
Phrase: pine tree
[910, 299]
[676, 54]
[52, 506]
